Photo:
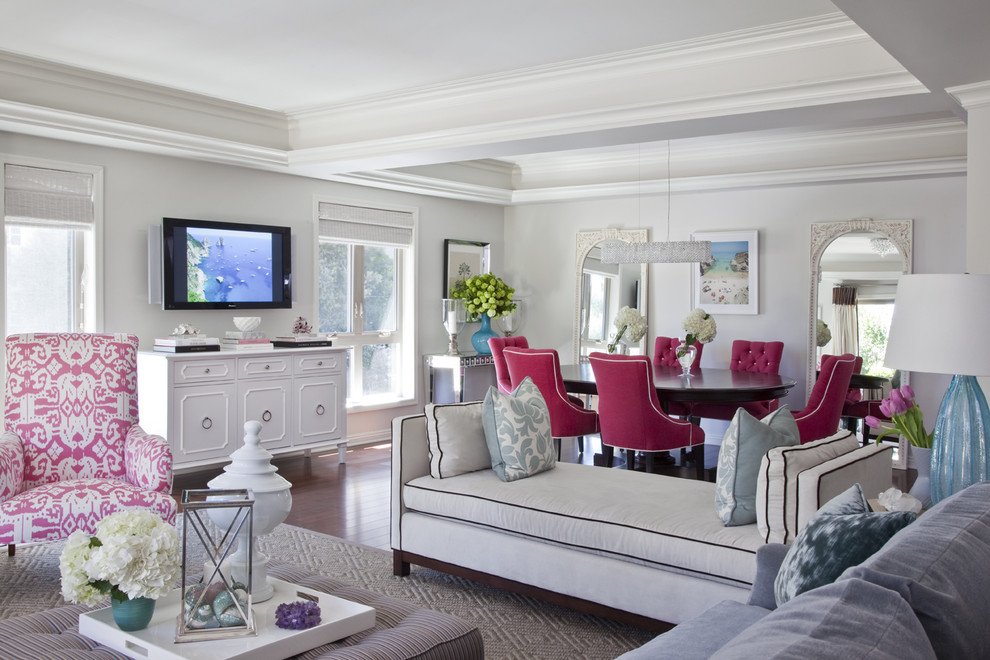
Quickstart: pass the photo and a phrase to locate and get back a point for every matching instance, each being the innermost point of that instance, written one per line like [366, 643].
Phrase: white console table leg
[342, 452]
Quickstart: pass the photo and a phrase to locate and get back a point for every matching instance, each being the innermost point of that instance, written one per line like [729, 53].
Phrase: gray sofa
[924, 595]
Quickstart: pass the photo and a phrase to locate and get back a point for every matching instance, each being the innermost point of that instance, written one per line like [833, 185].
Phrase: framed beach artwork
[463, 260]
[730, 282]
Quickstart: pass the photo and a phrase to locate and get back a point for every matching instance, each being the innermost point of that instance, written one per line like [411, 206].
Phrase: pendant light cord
[668, 191]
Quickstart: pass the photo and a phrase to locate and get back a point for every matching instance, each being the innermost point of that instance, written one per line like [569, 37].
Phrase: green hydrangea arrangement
[485, 294]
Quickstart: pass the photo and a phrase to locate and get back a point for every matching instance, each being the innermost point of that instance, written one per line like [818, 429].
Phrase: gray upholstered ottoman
[402, 630]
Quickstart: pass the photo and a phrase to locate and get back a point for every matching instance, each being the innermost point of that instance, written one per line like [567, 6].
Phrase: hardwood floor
[351, 500]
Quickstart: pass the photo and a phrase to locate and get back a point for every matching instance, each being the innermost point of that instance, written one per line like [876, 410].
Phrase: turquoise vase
[959, 442]
[132, 614]
[480, 339]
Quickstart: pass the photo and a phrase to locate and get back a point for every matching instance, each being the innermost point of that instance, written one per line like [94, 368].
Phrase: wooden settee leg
[399, 567]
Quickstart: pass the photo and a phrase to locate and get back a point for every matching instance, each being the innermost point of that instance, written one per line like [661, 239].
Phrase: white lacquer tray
[340, 618]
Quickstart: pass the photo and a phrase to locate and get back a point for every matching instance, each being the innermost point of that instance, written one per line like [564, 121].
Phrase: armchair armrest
[11, 465]
[148, 460]
[769, 557]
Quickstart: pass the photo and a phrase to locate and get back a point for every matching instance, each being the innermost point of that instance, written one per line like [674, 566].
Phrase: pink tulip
[872, 421]
[898, 405]
[885, 407]
[907, 392]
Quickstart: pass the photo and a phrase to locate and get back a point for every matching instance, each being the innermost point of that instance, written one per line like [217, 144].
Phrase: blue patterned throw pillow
[843, 533]
[746, 442]
[517, 430]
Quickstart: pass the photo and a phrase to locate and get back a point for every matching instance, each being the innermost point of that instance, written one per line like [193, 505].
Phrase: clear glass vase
[959, 441]
[685, 357]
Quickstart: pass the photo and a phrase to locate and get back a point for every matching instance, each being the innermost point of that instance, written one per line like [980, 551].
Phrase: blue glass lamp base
[959, 441]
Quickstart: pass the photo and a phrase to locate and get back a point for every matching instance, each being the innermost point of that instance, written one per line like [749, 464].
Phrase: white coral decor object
[247, 323]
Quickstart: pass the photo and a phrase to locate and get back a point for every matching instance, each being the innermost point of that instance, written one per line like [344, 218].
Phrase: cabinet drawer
[263, 366]
[186, 372]
[320, 363]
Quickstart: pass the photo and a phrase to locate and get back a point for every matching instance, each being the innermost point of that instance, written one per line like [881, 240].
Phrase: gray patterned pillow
[746, 442]
[843, 533]
[517, 430]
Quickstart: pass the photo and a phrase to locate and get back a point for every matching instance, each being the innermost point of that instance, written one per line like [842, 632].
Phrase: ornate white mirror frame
[585, 242]
[900, 233]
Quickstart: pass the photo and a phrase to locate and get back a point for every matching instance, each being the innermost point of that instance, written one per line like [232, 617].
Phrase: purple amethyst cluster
[299, 615]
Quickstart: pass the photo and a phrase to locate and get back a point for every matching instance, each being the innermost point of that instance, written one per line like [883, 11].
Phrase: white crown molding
[58, 124]
[975, 95]
[421, 185]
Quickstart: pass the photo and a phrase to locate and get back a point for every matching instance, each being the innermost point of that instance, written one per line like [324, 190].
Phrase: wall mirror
[857, 262]
[601, 289]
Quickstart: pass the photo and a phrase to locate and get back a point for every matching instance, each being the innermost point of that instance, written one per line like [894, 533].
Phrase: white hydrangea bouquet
[700, 327]
[134, 554]
[822, 334]
[631, 325]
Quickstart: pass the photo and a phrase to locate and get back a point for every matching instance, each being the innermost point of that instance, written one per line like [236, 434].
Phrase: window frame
[93, 319]
[404, 336]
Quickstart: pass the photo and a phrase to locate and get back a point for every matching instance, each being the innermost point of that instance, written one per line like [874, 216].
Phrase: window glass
[42, 291]
[379, 289]
[335, 287]
[874, 326]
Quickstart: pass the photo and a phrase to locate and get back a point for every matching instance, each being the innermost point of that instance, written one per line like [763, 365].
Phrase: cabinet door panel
[319, 409]
[204, 420]
[266, 402]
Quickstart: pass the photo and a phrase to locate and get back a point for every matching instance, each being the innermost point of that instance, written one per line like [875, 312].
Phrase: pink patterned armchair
[71, 451]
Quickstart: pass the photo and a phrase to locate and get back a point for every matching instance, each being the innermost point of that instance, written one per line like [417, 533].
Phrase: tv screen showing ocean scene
[229, 266]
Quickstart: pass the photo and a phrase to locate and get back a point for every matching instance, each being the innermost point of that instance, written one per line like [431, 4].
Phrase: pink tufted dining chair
[821, 417]
[630, 415]
[71, 451]
[756, 356]
[497, 344]
[567, 418]
[855, 408]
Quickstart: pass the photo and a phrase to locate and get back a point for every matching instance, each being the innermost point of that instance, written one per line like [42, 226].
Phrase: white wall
[141, 189]
[540, 258]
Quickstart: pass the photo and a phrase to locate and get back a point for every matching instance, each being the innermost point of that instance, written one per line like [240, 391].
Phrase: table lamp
[938, 326]
[454, 320]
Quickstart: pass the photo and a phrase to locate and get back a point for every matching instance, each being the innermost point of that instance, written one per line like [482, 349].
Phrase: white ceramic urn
[251, 468]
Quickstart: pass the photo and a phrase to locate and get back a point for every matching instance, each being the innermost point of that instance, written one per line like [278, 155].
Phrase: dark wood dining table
[705, 384]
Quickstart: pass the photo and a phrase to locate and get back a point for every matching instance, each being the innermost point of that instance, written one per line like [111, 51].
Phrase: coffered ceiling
[506, 102]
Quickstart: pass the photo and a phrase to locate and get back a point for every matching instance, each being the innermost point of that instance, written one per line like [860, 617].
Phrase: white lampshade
[940, 324]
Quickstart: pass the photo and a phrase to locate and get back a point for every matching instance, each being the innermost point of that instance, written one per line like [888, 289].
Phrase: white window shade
[41, 196]
[355, 224]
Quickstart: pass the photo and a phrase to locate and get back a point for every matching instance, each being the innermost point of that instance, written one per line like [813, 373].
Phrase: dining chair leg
[630, 459]
[580, 441]
[698, 453]
[649, 462]
[10, 549]
[609, 454]
[556, 441]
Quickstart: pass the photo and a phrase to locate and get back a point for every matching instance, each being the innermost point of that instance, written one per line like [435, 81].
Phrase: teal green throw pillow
[744, 445]
[843, 533]
[517, 431]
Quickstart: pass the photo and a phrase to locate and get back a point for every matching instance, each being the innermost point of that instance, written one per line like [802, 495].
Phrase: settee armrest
[148, 460]
[410, 460]
[11, 465]
[769, 557]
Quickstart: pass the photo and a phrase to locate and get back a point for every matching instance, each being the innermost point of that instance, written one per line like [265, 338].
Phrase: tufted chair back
[665, 352]
[760, 356]
[71, 398]
[543, 365]
[501, 370]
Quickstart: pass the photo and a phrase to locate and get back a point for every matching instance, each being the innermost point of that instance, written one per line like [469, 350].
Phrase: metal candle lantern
[218, 605]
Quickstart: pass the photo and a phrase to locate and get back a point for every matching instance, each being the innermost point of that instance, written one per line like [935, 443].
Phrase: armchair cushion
[11, 465]
[844, 533]
[457, 439]
[517, 429]
[744, 445]
[148, 460]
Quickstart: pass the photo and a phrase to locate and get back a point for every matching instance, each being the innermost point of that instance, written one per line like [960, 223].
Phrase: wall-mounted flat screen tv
[225, 265]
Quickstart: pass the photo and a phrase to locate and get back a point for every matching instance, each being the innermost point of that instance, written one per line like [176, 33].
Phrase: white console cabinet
[200, 401]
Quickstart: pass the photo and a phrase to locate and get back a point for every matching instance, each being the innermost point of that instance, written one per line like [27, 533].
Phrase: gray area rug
[513, 626]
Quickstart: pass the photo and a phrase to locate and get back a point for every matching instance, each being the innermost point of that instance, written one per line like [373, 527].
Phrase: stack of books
[186, 344]
[302, 341]
[245, 341]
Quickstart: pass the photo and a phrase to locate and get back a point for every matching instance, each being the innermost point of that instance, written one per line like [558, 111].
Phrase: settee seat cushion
[650, 519]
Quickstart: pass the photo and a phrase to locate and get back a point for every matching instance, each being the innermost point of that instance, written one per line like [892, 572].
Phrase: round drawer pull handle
[206, 371]
[267, 367]
[320, 409]
[207, 423]
[320, 363]
[266, 416]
